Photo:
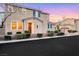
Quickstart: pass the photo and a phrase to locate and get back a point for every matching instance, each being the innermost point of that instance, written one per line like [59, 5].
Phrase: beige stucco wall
[19, 15]
[77, 25]
[22, 13]
[40, 27]
[45, 19]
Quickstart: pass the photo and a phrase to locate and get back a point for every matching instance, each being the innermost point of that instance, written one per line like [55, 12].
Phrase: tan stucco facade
[19, 13]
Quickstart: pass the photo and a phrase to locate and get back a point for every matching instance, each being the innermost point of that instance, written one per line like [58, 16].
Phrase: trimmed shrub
[39, 35]
[50, 33]
[18, 32]
[9, 33]
[7, 37]
[60, 33]
[56, 31]
[26, 31]
[20, 36]
[72, 31]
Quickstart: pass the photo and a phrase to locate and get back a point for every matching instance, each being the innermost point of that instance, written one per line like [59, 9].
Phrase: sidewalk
[30, 39]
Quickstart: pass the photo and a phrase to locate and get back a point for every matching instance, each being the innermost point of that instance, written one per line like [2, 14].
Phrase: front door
[30, 27]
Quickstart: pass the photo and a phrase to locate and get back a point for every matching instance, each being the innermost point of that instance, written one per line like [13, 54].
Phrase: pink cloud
[61, 11]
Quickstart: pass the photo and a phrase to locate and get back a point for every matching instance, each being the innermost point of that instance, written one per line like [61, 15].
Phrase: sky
[57, 11]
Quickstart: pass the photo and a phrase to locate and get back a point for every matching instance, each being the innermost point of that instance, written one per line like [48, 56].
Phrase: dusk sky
[57, 10]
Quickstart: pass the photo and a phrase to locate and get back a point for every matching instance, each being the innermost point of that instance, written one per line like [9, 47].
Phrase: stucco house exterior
[67, 24]
[22, 18]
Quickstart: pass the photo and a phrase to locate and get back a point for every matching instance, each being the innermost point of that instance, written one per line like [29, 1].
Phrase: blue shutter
[34, 14]
[39, 14]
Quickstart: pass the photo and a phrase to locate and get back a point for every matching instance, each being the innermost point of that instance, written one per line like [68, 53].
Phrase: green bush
[60, 33]
[39, 35]
[7, 37]
[72, 31]
[50, 33]
[9, 33]
[56, 31]
[18, 32]
[26, 31]
[20, 36]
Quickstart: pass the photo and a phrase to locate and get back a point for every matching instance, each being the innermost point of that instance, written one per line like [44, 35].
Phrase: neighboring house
[76, 24]
[67, 24]
[22, 18]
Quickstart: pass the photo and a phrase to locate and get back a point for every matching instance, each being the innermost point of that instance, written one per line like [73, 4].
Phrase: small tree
[57, 28]
[7, 14]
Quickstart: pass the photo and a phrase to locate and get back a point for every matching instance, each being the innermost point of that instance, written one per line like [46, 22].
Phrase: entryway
[30, 27]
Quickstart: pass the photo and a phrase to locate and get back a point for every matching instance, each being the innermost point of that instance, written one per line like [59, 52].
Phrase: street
[63, 46]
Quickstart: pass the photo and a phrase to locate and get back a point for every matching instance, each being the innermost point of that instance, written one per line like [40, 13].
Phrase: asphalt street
[64, 46]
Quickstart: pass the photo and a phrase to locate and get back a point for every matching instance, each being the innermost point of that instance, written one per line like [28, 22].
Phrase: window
[49, 26]
[14, 25]
[34, 13]
[20, 25]
[39, 14]
[37, 26]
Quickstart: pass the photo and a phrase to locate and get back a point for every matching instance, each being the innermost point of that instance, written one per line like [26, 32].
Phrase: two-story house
[67, 24]
[21, 18]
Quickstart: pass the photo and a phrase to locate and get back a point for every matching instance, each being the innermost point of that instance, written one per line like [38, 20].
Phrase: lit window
[13, 25]
[20, 25]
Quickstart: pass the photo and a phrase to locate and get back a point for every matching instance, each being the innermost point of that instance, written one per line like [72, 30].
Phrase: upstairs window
[34, 13]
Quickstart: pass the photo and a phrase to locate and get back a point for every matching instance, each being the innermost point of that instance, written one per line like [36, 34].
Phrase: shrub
[20, 36]
[74, 31]
[56, 31]
[26, 31]
[60, 33]
[18, 32]
[70, 31]
[39, 35]
[7, 37]
[50, 33]
[9, 33]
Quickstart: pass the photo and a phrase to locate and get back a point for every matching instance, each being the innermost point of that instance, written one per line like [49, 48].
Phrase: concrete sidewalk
[3, 41]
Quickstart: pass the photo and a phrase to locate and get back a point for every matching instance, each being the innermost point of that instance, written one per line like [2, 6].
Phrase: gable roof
[34, 18]
[20, 6]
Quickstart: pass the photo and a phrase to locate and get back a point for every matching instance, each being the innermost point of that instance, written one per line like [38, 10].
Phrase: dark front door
[30, 27]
